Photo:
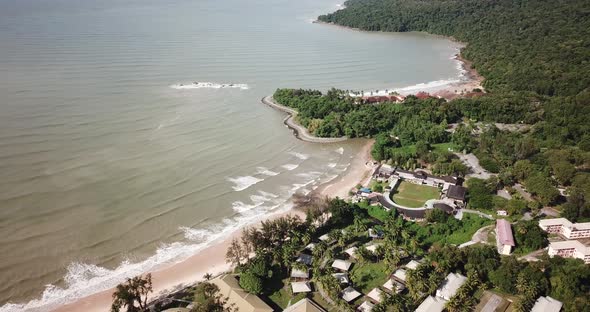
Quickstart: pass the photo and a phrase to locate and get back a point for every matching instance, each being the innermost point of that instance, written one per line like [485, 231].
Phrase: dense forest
[524, 45]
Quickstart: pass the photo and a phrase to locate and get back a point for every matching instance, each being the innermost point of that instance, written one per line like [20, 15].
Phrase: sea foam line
[209, 85]
[244, 182]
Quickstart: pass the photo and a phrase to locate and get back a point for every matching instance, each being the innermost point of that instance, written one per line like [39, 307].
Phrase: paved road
[526, 195]
[472, 162]
[481, 236]
[300, 131]
[478, 213]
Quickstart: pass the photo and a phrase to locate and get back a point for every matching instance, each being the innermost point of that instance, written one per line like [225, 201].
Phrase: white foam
[290, 167]
[300, 155]
[312, 175]
[242, 183]
[266, 171]
[209, 85]
[332, 165]
[340, 150]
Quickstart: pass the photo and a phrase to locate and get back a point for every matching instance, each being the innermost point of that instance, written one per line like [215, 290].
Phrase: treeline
[538, 46]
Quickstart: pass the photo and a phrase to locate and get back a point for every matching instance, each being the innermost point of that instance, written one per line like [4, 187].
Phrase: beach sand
[212, 259]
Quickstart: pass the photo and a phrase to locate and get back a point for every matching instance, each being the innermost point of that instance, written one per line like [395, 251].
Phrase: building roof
[375, 233]
[564, 222]
[400, 275]
[366, 307]
[325, 238]
[342, 278]
[375, 294]
[504, 232]
[412, 265]
[547, 304]
[413, 213]
[432, 304]
[300, 287]
[305, 259]
[342, 265]
[456, 192]
[491, 302]
[444, 207]
[304, 305]
[571, 244]
[349, 294]
[310, 246]
[351, 251]
[393, 285]
[450, 285]
[244, 301]
[296, 273]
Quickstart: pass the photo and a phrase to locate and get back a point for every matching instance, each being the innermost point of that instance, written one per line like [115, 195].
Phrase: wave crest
[209, 85]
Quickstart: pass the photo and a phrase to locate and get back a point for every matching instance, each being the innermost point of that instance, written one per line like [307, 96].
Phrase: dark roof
[444, 207]
[456, 192]
[413, 213]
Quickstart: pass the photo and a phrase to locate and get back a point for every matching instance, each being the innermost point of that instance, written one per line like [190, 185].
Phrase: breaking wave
[290, 167]
[266, 171]
[242, 183]
[209, 85]
[300, 155]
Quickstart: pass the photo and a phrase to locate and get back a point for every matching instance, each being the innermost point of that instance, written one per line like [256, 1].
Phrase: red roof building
[504, 238]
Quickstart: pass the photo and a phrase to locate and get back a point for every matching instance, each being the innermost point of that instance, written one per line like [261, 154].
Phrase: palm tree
[207, 276]
[132, 294]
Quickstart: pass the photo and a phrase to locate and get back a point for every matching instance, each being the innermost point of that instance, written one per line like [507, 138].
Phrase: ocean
[114, 162]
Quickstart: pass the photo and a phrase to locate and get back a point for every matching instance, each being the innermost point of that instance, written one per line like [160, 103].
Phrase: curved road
[300, 131]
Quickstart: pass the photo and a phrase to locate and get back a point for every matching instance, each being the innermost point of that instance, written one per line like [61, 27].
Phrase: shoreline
[299, 131]
[174, 277]
[469, 79]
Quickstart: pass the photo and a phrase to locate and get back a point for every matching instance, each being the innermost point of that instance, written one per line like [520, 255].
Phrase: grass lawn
[414, 195]
[471, 223]
[367, 276]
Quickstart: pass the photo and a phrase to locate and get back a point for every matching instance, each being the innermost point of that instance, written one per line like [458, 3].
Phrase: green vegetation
[370, 275]
[529, 237]
[531, 46]
[414, 195]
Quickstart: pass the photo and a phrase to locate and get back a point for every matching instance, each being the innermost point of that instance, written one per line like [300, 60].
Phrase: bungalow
[400, 275]
[504, 238]
[349, 294]
[351, 252]
[566, 228]
[342, 278]
[305, 259]
[412, 265]
[394, 286]
[491, 302]
[383, 172]
[341, 265]
[366, 306]
[376, 294]
[570, 249]
[299, 274]
[304, 305]
[372, 247]
[432, 304]
[450, 286]
[375, 234]
[244, 301]
[300, 287]
[456, 193]
[547, 304]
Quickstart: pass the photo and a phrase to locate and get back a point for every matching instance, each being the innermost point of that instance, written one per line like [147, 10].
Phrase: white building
[450, 286]
[547, 304]
[566, 228]
[570, 249]
[432, 304]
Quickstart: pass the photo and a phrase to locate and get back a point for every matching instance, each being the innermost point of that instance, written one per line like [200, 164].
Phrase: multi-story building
[570, 249]
[566, 228]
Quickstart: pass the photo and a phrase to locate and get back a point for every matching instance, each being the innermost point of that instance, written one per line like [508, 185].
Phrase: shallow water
[109, 167]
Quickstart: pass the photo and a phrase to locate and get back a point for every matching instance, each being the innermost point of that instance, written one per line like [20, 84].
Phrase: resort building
[421, 177]
[566, 228]
[349, 294]
[341, 265]
[367, 306]
[300, 287]
[304, 305]
[491, 302]
[394, 286]
[456, 193]
[547, 304]
[241, 299]
[504, 238]
[450, 286]
[400, 275]
[376, 294]
[383, 172]
[432, 304]
[570, 249]
[342, 278]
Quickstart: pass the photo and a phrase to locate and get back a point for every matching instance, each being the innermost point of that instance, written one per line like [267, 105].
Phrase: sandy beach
[212, 259]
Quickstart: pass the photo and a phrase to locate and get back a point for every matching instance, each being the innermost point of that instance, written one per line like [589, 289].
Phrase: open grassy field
[369, 275]
[414, 195]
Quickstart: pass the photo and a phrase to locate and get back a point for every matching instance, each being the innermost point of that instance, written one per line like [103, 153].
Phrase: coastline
[299, 131]
[469, 79]
[174, 277]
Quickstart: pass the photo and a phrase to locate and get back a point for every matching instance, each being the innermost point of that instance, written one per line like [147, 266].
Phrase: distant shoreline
[299, 131]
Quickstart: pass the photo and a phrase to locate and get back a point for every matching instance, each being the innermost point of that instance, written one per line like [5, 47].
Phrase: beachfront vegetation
[132, 295]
